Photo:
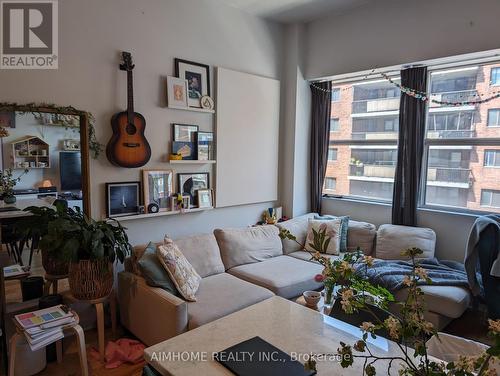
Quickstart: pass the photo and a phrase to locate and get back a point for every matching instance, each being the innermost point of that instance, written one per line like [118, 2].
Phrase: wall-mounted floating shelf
[159, 214]
[187, 161]
[194, 109]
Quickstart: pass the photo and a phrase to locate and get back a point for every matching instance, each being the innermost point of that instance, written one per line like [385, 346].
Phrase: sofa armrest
[150, 313]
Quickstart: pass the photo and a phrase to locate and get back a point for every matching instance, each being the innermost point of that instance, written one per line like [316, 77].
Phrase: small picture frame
[189, 183]
[205, 146]
[184, 132]
[186, 149]
[177, 92]
[205, 198]
[186, 203]
[123, 199]
[198, 80]
[157, 187]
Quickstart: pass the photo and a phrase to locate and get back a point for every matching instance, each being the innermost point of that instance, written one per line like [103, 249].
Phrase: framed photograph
[123, 198]
[157, 187]
[186, 203]
[189, 183]
[205, 198]
[198, 79]
[177, 92]
[186, 149]
[205, 146]
[184, 132]
[8, 119]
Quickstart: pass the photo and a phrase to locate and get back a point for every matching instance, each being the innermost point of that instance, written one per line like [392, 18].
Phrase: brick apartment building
[460, 173]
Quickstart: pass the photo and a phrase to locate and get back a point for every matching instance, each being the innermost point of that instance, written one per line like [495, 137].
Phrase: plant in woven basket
[88, 245]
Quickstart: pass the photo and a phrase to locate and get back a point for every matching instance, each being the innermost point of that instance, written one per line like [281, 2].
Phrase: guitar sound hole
[131, 129]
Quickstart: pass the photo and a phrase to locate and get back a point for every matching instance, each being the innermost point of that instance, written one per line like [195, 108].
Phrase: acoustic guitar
[128, 146]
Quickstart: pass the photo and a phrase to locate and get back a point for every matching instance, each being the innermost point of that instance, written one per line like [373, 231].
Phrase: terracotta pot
[90, 279]
[54, 266]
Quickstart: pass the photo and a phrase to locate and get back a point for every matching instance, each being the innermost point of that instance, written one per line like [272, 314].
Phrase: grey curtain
[321, 100]
[410, 149]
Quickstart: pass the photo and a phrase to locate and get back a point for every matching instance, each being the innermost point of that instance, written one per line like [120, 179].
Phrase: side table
[75, 326]
[52, 280]
[99, 308]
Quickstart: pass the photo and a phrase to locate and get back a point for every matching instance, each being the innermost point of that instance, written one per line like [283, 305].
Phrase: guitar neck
[130, 95]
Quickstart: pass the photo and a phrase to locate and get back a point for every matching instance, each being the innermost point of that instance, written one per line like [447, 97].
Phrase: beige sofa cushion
[222, 294]
[392, 239]
[286, 276]
[306, 256]
[361, 234]
[248, 245]
[297, 227]
[203, 253]
[449, 301]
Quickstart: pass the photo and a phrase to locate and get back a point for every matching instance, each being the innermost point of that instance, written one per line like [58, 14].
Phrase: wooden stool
[99, 308]
[80, 336]
[52, 280]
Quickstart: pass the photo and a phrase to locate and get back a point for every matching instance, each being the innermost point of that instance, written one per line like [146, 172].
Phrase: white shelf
[193, 109]
[159, 214]
[187, 161]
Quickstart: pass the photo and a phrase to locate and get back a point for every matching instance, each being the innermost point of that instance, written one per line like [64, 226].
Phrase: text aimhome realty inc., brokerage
[29, 34]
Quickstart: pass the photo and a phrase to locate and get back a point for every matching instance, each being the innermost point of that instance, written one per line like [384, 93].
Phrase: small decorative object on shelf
[175, 157]
[207, 102]
[198, 78]
[177, 92]
[153, 208]
[71, 145]
[7, 184]
[30, 151]
[270, 216]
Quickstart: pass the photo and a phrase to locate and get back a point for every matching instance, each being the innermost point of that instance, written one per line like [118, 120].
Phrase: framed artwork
[189, 183]
[122, 198]
[186, 149]
[198, 79]
[205, 198]
[157, 187]
[205, 146]
[186, 203]
[184, 132]
[177, 92]
[8, 119]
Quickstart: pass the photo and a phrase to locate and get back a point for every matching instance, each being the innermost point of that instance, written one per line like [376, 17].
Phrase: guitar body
[128, 146]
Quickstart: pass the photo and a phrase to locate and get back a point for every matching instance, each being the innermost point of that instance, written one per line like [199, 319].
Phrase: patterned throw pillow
[323, 236]
[181, 272]
[344, 227]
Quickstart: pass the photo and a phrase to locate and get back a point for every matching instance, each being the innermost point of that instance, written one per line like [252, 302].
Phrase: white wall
[391, 32]
[91, 35]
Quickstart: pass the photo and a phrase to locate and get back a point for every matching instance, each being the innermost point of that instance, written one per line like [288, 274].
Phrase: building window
[332, 154]
[494, 117]
[330, 184]
[335, 94]
[334, 125]
[366, 146]
[457, 137]
[492, 158]
[495, 76]
[490, 198]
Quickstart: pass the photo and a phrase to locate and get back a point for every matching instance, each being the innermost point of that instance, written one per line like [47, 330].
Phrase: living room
[207, 139]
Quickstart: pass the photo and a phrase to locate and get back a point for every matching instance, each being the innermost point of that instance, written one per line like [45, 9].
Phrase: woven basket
[90, 279]
[54, 266]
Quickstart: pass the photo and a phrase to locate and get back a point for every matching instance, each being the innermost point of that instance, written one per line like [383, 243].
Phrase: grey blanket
[390, 273]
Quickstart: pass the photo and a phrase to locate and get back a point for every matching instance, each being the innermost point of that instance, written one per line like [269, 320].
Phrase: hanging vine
[38, 108]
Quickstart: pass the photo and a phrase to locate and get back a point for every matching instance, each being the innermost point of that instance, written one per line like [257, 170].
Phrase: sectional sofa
[241, 267]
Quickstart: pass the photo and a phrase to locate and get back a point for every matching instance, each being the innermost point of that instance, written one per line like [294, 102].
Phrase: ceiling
[290, 11]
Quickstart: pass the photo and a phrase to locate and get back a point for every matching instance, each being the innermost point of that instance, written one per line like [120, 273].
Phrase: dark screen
[70, 166]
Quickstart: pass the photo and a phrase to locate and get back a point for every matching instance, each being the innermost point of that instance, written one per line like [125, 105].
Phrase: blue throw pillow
[153, 271]
[344, 226]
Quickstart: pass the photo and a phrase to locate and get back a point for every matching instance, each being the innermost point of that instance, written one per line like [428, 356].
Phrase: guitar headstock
[127, 62]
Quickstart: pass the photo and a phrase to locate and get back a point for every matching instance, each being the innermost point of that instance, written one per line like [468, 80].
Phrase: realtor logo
[29, 34]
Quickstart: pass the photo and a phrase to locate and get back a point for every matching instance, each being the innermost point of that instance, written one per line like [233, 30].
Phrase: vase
[9, 199]
[328, 296]
[90, 279]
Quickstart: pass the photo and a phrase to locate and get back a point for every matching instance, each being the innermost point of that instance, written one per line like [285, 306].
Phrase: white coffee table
[289, 326]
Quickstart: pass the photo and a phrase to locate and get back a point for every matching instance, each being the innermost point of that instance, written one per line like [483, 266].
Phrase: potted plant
[90, 247]
[7, 184]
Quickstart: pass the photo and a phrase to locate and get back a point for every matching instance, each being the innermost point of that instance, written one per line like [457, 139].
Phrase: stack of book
[16, 270]
[43, 327]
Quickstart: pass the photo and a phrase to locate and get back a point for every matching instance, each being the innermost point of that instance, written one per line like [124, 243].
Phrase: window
[335, 94]
[366, 145]
[494, 116]
[330, 184]
[332, 154]
[459, 143]
[492, 158]
[495, 76]
[490, 198]
[334, 125]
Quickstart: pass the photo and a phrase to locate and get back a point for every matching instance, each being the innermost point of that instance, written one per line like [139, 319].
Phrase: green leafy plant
[69, 235]
[8, 182]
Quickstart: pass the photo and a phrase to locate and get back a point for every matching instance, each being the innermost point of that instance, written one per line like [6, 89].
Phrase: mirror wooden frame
[84, 141]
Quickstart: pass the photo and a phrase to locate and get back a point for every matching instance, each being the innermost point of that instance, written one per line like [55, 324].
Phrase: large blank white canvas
[247, 137]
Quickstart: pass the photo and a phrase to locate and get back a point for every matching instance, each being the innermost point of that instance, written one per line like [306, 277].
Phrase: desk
[21, 204]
